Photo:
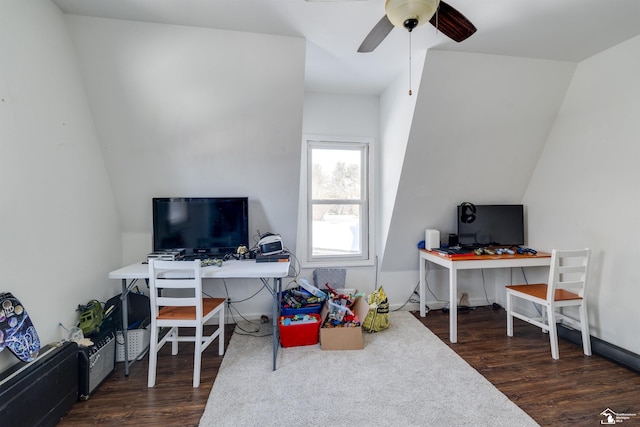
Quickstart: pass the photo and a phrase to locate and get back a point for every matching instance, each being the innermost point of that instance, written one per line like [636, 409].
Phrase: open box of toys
[300, 320]
[342, 315]
[332, 316]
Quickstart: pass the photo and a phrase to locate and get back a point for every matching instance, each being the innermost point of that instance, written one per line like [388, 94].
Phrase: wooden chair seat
[185, 307]
[189, 313]
[566, 287]
[539, 290]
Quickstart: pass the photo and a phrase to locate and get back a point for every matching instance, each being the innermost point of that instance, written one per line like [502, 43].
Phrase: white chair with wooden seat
[182, 306]
[565, 288]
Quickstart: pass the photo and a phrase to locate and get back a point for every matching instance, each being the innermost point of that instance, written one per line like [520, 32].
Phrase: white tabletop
[243, 269]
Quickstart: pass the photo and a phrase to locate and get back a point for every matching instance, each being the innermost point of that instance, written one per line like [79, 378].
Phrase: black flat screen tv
[491, 225]
[200, 225]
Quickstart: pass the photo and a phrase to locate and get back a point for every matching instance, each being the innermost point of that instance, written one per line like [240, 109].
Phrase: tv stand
[470, 262]
[269, 273]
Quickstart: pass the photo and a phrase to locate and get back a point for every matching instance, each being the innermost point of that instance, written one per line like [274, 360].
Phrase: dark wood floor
[571, 391]
[127, 401]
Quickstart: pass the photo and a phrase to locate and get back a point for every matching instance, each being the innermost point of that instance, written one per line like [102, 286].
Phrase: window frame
[365, 202]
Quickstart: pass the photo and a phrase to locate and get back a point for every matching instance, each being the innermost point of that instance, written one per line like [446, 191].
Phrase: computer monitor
[491, 225]
[200, 225]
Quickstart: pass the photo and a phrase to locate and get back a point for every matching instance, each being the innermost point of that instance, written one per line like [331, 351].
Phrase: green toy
[91, 317]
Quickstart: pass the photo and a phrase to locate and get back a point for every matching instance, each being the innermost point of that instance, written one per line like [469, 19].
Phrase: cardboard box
[344, 338]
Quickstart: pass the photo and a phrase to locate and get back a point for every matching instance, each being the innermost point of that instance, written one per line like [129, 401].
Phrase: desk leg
[422, 290]
[277, 288]
[125, 325]
[453, 305]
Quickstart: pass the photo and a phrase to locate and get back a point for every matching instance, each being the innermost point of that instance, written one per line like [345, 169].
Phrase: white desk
[244, 269]
[470, 262]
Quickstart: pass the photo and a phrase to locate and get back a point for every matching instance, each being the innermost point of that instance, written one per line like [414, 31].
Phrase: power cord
[486, 296]
[231, 308]
[417, 294]
[294, 272]
[294, 266]
[410, 299]
[256, 326]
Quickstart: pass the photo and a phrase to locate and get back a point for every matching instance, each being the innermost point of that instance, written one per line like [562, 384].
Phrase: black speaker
[95, 364]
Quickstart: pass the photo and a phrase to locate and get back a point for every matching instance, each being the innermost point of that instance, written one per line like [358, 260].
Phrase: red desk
[470, 262]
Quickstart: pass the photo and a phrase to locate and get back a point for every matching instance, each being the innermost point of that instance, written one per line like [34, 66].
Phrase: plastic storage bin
[295, 335]
[286, 310]
[138, 341]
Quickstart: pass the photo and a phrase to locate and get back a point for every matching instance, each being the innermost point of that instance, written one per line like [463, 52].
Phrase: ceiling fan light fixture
[401, 11]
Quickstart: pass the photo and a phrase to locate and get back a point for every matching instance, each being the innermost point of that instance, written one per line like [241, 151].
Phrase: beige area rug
[405, 376]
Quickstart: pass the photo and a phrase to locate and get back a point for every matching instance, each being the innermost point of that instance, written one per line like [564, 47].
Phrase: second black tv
[491, 225]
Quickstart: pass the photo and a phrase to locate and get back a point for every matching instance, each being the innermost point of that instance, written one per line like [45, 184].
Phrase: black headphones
[467, 212]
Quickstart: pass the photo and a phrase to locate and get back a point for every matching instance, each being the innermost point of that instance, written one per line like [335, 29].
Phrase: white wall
[397, 110]
[186, 111]
[59, 231]
[584, 189]
[480, 124]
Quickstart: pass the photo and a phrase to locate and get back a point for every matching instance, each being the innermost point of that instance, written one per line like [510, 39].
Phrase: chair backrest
[569, 271]
[182, 279]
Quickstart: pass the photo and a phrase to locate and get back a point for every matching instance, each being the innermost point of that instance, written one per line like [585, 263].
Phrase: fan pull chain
[410, 92]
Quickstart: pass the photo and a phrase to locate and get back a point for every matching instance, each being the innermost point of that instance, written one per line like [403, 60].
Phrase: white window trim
[303, 217]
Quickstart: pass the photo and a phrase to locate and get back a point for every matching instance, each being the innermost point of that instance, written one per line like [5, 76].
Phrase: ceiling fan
[410, 14]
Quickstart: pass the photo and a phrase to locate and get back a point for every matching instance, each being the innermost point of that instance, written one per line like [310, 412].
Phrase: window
[337, 201]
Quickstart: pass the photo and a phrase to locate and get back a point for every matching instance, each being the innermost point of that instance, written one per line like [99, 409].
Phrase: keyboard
[454, 250]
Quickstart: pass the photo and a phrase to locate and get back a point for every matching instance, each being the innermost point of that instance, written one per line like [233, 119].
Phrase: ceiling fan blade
[376, 35]
[452, 23]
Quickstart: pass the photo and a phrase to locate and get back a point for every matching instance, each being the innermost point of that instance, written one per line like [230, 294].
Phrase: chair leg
[584, 327]
[153, 356]
[197, 356]
[174, 341]
[221, 332]
[509, 315]
[543, 309]
[553, 332]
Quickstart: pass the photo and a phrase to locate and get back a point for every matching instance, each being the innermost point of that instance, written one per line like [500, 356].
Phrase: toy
[527, 251]
[17, 332]
[211, 261]
[298, 319]
[91, 317]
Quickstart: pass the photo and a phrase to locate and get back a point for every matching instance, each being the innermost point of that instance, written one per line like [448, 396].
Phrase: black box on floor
[96, 363]
[41, 392]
